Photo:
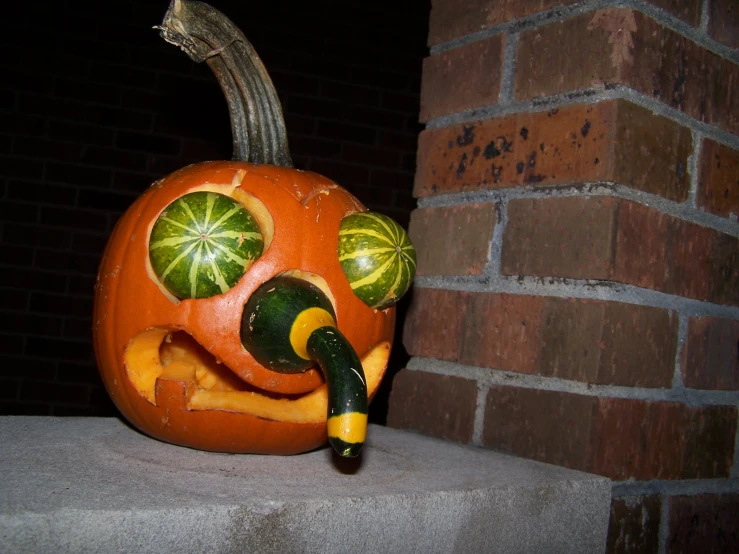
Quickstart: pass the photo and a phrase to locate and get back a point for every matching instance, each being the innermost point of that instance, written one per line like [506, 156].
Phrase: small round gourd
[377, 257]
[202, 244]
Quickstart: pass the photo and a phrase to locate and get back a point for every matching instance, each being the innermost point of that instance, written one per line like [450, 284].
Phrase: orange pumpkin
[177, 369]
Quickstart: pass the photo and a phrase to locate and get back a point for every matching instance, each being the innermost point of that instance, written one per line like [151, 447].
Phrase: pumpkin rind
[128, 302]
[202, 244]
[377, 257]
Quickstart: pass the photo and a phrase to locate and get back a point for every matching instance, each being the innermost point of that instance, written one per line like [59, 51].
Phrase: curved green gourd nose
[289, 325]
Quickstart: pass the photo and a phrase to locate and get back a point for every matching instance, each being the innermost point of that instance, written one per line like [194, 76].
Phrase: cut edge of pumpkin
[163, 354]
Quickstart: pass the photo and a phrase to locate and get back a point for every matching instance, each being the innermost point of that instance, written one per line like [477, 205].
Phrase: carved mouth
[158, 356]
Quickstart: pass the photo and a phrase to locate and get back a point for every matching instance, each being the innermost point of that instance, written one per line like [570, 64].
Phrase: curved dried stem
[257, 124]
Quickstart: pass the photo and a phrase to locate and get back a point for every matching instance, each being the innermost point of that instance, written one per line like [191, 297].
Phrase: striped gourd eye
[377, 257]
[202, 243]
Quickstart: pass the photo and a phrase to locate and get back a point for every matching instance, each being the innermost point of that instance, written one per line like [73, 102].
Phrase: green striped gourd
[202, 243]
[377, 257]
[289, 325]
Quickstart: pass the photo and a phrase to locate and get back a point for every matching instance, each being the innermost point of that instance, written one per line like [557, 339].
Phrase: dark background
[94, 106]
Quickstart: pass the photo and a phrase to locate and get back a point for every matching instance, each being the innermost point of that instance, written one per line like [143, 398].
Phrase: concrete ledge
[95, 485]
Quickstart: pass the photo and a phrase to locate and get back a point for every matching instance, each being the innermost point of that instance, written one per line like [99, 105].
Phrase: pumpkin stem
[257, 124]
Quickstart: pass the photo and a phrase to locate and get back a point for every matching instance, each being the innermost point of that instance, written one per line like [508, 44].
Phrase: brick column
[577, 298]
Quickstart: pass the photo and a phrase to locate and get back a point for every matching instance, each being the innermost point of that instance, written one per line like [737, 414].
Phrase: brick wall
[94, 106]
[577, 298]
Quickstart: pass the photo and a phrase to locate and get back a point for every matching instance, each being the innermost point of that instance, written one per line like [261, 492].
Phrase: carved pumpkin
[172, 314]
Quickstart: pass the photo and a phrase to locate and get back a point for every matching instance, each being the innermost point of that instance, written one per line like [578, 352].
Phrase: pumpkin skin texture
[149, 344]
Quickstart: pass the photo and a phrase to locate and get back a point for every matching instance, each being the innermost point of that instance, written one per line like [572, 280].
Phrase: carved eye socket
[202, 243]
[377, 257]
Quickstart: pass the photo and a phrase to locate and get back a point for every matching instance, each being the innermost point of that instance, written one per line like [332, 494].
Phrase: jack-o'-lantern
[246, 306]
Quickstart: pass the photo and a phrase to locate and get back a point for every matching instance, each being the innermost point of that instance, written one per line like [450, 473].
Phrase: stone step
[96, 485]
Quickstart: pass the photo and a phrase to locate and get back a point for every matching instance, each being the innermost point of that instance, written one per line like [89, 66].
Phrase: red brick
[724, 270]
[723, 22]
[552, 427]
[451, 19]
[651, 153]
[453, 240]
[590, 341]
[437, 405]
[618, 438]
[564, 237]
[718, 187]
[433, 327]
[687, 10]
[623, 46]
[636, 244]
[660, 252]
[634, 524]
[711, 354]
[639, 255]
[609, 141]
[477, 65]
[662, 440]
[703, 523]
[609, 343]
[489, 330]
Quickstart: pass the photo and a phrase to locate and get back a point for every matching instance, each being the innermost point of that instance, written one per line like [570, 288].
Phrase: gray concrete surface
[95, 485]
